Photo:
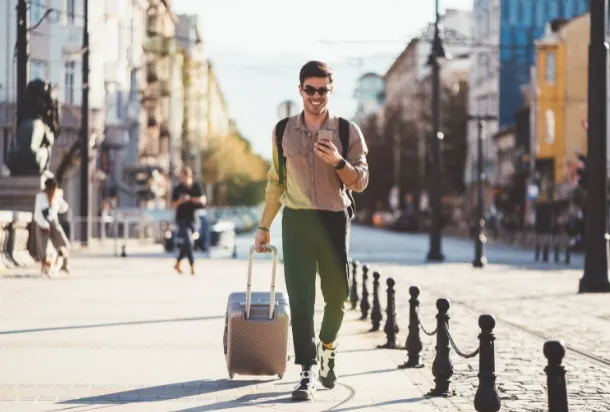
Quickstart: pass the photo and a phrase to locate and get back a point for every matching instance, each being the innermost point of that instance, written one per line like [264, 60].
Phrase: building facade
[407, 95]
[503, 49]
[195, 81]
[370, 95]
[219, 122]
[561, 67]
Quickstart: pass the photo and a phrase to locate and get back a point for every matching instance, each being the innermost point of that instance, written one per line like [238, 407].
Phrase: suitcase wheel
[231, 376]
[280, 376]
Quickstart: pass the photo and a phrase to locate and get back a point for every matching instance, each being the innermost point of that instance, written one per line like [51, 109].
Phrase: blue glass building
[521, 23]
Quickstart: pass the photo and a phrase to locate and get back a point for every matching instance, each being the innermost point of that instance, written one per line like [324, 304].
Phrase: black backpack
[343, 135]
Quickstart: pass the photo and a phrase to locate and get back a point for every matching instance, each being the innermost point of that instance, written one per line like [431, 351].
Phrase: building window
[553, 10]
[71, 10]
[550, 67]
[35, 12]
[6, 145]
[38, 69]
[69, 72]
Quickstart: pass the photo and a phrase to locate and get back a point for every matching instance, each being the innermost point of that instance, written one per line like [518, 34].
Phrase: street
[130, 334]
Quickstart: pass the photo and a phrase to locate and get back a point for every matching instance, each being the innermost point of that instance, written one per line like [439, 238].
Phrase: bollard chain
[455, 348]
[421, 326]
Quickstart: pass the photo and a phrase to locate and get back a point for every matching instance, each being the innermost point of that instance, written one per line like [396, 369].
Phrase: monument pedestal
[17, 193]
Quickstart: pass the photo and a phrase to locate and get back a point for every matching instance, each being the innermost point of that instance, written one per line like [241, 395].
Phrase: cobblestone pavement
[530, 307]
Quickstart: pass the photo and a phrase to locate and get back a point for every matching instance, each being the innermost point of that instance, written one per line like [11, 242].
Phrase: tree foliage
[454, 123]
[238, 175]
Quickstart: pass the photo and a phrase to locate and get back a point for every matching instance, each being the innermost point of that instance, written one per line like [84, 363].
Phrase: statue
[30, 154]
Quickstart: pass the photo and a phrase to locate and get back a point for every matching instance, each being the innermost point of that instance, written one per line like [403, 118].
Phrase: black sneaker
[326, 366]
[306, 387]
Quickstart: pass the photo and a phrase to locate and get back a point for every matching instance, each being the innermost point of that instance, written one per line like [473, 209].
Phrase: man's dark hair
[315, 68]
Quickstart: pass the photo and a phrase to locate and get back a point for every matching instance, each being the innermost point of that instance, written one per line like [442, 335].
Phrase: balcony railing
[157, 44]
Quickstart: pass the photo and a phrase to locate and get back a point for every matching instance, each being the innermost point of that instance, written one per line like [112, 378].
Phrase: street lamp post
[435, 254]
[595, 277]
[479, 254]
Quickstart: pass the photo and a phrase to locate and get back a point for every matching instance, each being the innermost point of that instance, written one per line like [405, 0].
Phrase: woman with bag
[49, 203]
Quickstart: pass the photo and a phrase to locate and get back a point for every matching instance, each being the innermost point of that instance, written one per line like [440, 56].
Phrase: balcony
[164, 88]
[159, 45]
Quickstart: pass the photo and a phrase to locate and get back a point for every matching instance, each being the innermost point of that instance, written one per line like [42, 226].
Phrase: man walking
[318, 158]
[187, 197]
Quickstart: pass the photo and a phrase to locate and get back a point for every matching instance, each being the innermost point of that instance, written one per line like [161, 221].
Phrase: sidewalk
[129, 334]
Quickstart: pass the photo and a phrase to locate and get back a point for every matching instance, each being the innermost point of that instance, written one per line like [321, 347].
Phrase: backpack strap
[280, 127]
[344, 135]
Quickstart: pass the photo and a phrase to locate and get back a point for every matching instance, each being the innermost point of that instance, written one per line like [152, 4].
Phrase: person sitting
[48, 204]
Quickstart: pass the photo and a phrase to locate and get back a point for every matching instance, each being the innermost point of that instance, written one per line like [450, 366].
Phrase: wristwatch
[341, 164]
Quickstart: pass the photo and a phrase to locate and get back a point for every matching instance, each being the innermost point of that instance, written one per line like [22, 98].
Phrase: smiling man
[318, 159]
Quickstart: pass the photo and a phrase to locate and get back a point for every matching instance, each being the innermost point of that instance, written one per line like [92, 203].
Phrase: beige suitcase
[256, 328]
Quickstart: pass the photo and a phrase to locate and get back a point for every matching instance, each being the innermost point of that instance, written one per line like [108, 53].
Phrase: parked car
[219, 234]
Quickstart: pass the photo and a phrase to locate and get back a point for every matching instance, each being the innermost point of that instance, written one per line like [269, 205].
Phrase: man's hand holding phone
[325, 148]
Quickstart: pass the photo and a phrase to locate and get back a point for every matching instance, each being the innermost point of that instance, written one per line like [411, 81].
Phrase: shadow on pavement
[104, 325]
[381, 404]
[164, 392]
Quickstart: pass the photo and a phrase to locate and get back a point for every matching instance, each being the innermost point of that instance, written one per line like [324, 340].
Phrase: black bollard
[487, 398]
[442, 368]
[567, 256]
[391, 327]
[554, 351]
[557, 248]
[354, 291]
[414, 345]
[123, 251]
[376, 315]
[364, 303]
[536, 248]
[545, 249]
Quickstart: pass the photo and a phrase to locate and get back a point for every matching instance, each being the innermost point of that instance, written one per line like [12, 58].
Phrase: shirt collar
[331, 123]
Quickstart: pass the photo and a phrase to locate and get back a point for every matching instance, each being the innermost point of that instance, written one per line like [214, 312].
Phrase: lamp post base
[479, 262]
[435, 256]
[588, 285]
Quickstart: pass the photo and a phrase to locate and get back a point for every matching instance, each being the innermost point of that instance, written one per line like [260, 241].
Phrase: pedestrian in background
[187, 197]
[311, 177]
[49, 203]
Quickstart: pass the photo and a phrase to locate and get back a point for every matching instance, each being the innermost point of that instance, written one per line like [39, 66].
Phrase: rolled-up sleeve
[274, 188]
[356, 156]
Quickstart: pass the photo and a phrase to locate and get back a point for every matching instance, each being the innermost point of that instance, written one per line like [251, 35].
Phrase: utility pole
[397, 167]
[595, 277]
[435, 254]
[23, 54]
[84, 149]
[479, 254]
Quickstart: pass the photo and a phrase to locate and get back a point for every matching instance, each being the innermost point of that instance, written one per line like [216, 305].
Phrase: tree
[68, 160]
[238, 175]
[454, 118]
[186, 83]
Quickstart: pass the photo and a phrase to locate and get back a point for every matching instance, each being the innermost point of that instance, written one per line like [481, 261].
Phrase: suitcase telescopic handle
[272, 249]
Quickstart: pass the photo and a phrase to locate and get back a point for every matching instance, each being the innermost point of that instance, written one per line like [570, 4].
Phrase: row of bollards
[543, 244]
[486, 398]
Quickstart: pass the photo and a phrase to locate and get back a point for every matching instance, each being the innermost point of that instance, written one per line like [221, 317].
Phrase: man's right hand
[262, 239]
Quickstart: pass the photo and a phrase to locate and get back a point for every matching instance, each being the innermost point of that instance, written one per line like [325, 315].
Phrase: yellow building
[561, 101]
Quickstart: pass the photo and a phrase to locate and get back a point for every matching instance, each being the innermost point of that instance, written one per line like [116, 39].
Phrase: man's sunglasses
[310, 90]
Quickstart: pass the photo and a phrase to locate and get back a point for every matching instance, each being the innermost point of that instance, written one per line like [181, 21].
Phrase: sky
[258, 47]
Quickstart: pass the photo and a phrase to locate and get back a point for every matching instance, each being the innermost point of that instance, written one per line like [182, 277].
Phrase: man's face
[316, 92]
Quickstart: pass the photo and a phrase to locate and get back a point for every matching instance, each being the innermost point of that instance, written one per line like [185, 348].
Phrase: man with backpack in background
[318, 159]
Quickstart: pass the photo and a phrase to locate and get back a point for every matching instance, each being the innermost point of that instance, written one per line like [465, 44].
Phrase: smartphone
[325, 135]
